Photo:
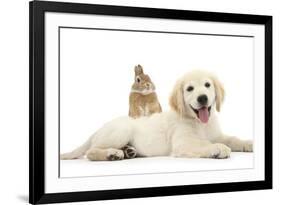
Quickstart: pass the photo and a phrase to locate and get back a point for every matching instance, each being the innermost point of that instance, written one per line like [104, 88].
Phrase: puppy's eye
[207, 85]
[189, 88]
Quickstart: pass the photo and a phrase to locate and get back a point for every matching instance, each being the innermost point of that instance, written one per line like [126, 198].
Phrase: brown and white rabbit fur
[143, 99]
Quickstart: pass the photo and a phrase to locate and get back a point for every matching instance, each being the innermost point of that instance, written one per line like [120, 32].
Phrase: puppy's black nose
[202, 99]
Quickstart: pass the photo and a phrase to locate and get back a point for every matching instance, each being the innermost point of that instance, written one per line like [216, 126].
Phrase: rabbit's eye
[138, 79]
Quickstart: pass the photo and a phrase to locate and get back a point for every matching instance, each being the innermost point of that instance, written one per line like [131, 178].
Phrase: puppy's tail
[78, 152]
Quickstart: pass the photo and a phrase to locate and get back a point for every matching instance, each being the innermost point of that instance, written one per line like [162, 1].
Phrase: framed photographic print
[140, 102]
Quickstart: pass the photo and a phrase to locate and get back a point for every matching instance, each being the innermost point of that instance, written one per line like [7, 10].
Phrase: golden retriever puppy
[190, 129]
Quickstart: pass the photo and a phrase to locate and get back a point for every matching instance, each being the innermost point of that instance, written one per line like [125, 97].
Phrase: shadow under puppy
[143, 101]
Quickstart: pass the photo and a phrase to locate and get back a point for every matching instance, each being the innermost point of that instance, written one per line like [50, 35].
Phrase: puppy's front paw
[238, 145]
[247, 146]
[220, 151]
[66, 156]
[114, 154]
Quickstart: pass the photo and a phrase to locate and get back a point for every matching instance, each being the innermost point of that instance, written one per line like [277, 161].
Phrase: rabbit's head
[143, 83]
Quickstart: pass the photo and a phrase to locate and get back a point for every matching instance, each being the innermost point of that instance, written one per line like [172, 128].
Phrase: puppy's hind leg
[129, 151]
[110, 154]
[108, 141]
[107, 148]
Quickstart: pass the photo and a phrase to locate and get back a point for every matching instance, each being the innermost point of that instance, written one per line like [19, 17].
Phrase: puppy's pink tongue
[203, 114]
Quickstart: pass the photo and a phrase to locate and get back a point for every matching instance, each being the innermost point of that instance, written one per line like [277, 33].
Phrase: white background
[97, 71]
[14, 103]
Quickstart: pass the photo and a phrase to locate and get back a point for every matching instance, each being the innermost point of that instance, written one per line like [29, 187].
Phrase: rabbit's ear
[138, 70]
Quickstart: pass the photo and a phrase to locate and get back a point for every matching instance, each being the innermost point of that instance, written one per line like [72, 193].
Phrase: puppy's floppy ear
[176, 99]
[138, 70]
[220, 93]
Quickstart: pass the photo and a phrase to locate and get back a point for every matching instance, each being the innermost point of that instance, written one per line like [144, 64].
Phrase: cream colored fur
[177, 133]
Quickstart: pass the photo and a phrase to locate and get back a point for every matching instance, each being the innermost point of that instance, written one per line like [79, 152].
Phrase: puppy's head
[196, 95]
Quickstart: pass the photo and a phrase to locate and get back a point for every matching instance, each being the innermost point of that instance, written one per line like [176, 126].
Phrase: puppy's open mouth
[202, 113]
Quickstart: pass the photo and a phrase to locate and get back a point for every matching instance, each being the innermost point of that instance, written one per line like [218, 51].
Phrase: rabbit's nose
[147, 85]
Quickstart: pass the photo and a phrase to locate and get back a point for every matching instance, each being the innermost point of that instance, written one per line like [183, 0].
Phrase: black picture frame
[37, 9]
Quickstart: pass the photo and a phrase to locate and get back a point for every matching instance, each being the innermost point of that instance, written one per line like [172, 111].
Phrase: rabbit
[143, 101]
